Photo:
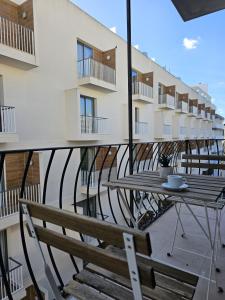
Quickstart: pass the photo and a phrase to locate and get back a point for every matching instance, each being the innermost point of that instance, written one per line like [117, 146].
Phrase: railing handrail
[94, 117]
[17, 36]
[95, 61]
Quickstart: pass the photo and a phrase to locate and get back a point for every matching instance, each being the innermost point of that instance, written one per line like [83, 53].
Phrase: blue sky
[193, 50]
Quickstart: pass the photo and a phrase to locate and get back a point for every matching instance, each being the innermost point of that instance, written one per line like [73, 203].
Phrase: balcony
[166, 101]
[15, 279]
[158, 216]
[17, 45]
[201, 114]
[7, 124]
[96, 75]
[93, 125]
[142, 92]
[182, 107]
[141, 129]
[9, 206]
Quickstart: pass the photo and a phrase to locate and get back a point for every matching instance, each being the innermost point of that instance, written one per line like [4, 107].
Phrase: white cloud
[137, 46]
[113, 29]
[153, 58]
[190, 43]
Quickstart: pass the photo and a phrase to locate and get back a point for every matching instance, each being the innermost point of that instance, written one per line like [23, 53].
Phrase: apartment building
[65, 84]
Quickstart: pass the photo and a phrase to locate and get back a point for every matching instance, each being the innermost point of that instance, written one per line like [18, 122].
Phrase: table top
[200, 187]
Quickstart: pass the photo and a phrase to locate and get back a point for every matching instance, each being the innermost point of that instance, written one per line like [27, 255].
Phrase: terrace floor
[161, 232]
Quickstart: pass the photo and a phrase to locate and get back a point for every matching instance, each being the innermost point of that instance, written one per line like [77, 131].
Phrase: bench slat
[108, 232]
[93, 254]
[159, 267]
[82, 291]
[159, 293]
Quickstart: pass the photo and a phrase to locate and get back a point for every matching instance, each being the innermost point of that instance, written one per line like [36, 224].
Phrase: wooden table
[203, 190]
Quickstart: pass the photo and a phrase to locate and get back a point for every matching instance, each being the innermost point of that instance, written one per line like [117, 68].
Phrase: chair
[121, 270]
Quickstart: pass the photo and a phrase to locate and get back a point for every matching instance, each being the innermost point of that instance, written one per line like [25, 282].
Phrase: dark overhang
[191, 9]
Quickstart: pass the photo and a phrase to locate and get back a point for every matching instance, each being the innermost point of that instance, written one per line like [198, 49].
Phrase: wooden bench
[201, 161]
[116, 270]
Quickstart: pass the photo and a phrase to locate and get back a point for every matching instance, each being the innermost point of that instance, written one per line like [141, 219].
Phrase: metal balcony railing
[93, 125]
[140, 88]
[62, 177]
[167, 129]
[193, 110]
[15, 279]
[7, 119]
[9, 199]
[16, 36]
[182, 106]
[141, 128]
[92, 68]
[167, 100]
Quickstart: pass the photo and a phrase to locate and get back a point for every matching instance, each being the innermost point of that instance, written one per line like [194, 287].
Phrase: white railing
[140, 88]
[9, 199]
[218, 126]
[193, 110]
[92, 68]
[93, 125]
[167, 129]
[183, 106]
[167, 100]
[16, 36]
[141, 128]
[15, 278]
[183, 130]
[94, 176]
[7, 119]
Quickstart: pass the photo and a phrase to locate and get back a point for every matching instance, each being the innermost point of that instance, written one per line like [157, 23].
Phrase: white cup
[175, 181]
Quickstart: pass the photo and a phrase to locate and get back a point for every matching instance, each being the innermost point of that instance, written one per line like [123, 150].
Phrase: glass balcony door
[84, 54]
[87, 113]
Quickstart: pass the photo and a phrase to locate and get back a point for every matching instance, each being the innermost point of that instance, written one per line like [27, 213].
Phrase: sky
[194, 50]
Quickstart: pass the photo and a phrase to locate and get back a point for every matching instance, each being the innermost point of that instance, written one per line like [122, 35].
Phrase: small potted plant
[165, 168]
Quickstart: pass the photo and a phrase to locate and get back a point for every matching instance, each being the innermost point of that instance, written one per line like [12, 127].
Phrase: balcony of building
[182, 103]
[201, 111]
[142, 88]
[9, 203]
[98, 69]
[193, 108]
[8, 125]
[15, 279]
[166, 97]
[17, 41]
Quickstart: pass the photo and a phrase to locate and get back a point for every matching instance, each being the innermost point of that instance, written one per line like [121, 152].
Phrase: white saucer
[166, 186]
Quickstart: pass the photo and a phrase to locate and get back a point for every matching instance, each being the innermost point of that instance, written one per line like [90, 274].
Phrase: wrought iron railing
[15, 279]
[62, 171]
[16, 36]
[91, 68]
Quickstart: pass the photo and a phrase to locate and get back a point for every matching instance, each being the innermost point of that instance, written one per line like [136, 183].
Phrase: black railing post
[130, 110]
[186, 152]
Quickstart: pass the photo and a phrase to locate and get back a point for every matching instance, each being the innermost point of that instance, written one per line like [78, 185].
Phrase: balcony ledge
[142, 98]
[97, 84]
[180, 111]
[166, 106]
[93, 191]
[87, 137]
[8, 137]
[17, 58]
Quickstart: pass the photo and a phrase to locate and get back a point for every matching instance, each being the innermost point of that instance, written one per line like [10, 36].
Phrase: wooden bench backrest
[110, 233]
[204, 164]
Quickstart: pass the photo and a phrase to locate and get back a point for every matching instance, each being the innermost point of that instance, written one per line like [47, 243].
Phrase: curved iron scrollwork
[107, 162]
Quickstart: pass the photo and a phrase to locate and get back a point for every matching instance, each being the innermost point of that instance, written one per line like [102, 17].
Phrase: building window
[87, 113]
[86, 165]
[83, 51]
[84, 55]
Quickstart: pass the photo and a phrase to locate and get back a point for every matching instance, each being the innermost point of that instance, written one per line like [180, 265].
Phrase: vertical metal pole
[130, 112]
